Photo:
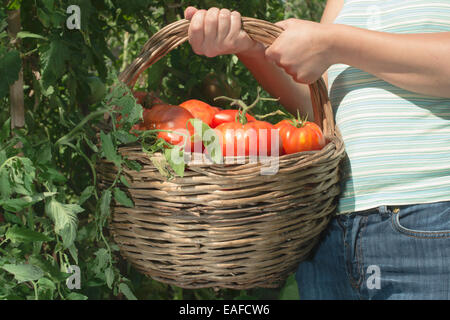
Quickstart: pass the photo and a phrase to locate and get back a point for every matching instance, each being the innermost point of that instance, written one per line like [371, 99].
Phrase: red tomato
[253, 138]
[228, 116]
[200, 110]
[298, 137]
[169, 117]
[145, 115]
[217, 109]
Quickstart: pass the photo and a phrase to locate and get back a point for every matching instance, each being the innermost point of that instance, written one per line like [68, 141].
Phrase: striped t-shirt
[397, 142]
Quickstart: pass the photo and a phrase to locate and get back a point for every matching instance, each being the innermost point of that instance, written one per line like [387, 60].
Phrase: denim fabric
[396, 253]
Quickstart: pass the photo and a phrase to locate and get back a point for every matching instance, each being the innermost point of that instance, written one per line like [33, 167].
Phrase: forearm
[216, 31]
[278, 83]
[414, 62]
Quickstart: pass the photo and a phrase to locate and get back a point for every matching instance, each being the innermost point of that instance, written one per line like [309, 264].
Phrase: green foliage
[52, 215]
[9, 69]
[304, 9]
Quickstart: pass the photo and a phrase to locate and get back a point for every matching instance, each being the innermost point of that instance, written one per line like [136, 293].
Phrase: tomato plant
[97, 90]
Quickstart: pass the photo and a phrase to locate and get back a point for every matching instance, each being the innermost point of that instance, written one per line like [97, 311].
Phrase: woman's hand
[216, 32]
[302, 50]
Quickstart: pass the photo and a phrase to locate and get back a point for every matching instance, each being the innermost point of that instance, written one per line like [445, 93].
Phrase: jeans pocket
[425, 221]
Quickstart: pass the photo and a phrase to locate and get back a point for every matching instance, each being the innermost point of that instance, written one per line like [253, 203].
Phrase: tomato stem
[68, 137]
[275, 113]
[243, 107]
[300, 122]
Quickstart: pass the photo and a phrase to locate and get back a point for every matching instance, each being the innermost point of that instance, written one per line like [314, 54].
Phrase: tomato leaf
[15, 205]
[125, 289]
[10, 65]
[90, 144]
[105, 203]
[45, 154]
[48, 267]
[175, 159]
[12, 218]
[124, 181]
[101, 261]
[131, 111]
[18, 204]
[5, 130]
[109, 274]
[76, 296]
[125, 137]
[53, 175]
[27, 34]
[22, 235]
[122, 198]
[54, 60]
[290, 290]
[46, 284]
[24, 272]
[5, 186]
[74, 252]
[161, 165]
[65, 218]
[133, 165]
[209, 138]
[86, 194]
[109, 150]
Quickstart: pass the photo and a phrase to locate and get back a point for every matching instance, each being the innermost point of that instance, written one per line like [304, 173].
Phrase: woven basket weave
[225, 226]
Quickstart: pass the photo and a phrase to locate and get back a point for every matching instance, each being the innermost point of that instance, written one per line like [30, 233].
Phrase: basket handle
[174, 34]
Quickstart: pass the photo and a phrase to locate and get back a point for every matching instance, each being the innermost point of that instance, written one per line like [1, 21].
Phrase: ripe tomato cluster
[240, 134]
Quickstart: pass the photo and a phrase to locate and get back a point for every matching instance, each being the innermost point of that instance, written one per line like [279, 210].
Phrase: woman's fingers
[235, 24]
[216, 31]
[211, 27]
[285, 24]
[196, 31]
[224, 25]
[299, 50]
[272, 53]
[189, 12]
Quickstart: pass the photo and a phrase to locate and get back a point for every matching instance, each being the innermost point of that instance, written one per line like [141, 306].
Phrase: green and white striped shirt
[398, 142]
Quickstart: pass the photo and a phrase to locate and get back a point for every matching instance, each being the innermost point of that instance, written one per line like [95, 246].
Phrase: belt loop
[383, 210]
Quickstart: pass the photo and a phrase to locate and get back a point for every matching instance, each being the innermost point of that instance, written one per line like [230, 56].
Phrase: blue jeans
[400, 252]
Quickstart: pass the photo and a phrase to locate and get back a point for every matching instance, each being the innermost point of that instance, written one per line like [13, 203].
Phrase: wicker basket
[225, 226]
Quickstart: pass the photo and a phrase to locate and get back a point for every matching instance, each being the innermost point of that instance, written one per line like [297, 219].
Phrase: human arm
[415, 62]
[215, 32]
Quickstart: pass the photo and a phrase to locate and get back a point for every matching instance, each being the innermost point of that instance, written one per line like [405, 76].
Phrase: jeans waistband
[382, 210]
